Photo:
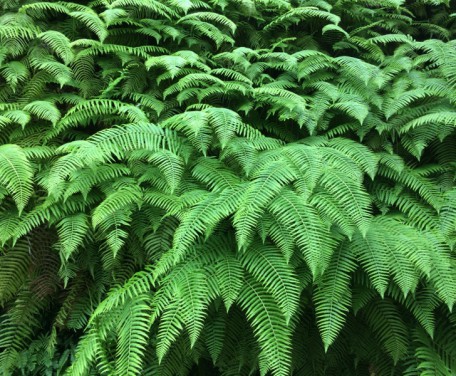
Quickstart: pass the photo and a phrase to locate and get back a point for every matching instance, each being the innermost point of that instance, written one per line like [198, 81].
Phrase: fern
[227, 187]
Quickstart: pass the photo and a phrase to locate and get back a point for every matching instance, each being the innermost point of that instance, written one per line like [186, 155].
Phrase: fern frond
[350, 194]
[447, 118]
[312, 238]
[297, 14]
[212, 17]
[385, 320]
[206, 214]
[59, 43]
[229, 278]
[154, 6]
[267, 265]
[14, 72]
[44, 110]
[266, 184]
[72, 231]
[86, 352]
[16, 174]
[171, 325]
[14, 264]
[269, 326]
[133, 328]
[333, 296]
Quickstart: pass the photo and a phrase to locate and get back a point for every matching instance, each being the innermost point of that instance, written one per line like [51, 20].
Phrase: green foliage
[227, 187]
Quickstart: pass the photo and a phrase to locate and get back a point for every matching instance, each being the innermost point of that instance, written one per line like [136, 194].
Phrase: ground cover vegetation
[227, 187]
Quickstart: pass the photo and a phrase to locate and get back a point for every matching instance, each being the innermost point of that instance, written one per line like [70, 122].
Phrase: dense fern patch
[228, 187]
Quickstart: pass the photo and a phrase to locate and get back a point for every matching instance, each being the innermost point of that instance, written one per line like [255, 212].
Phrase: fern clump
[228, 187]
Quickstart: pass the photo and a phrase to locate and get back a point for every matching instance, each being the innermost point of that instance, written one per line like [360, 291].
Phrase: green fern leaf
[267, 265]
[44, 110]
[385, 319]
[170, 327]
[14, 73]
[72, 231]
[309, 232]
[333, 295]
[267, 183]
[59, 43]
[193, 302]
[374, 261]
[296, 15]
[215, 334]
[350, 194]
[16, 174]
[229, 279]
[86, 352]
[269, 326]
[210, 16]
[14, 264]
[133, 328]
